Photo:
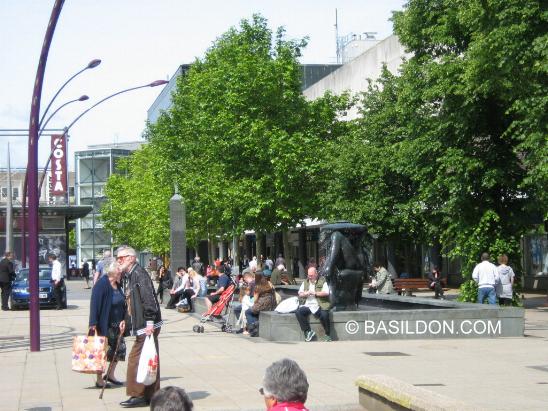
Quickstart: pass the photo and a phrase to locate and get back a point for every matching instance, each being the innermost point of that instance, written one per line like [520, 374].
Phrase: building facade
[93, 167]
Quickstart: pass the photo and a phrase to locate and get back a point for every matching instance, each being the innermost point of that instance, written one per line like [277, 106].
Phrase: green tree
[246, 132]
[137, 207]
[240, 141]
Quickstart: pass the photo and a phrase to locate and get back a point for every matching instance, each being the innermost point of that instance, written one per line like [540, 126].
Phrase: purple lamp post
[32, 170]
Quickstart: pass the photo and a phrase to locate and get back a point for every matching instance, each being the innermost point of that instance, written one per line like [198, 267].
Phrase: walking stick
[110, 365]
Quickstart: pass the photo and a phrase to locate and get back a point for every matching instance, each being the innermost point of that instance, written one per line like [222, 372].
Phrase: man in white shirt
[314, 299]
[178, 287]
[487, 276]
[58, 281]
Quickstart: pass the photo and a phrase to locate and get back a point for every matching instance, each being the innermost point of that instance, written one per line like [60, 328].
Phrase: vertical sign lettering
[58, 165]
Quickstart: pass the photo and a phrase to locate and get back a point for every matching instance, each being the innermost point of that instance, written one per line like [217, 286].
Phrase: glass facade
[92, 169]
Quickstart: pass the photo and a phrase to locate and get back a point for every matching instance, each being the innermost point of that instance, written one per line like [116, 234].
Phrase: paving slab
[223, 371]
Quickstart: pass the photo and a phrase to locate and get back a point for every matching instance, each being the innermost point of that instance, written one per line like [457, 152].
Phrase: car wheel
[12, 305]
[64, 304]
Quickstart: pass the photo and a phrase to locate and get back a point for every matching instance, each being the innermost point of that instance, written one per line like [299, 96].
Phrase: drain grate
[386, 354]
[429, 385]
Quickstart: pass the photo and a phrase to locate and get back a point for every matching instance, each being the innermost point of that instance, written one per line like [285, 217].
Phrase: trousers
[133, 388]
[304, 312]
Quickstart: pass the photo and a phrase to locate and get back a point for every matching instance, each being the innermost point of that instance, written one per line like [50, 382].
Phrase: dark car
[20, 289]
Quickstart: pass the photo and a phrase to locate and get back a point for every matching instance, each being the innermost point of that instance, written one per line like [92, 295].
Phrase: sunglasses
[120, 257]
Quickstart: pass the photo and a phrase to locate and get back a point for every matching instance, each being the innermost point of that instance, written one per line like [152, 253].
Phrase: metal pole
[9, 209]
[32, 168]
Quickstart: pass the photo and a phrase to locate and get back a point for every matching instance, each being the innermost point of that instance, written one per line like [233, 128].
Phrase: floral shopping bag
[89, 354]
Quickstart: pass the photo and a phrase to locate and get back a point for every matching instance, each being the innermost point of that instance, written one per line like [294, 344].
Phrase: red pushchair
[219, 312]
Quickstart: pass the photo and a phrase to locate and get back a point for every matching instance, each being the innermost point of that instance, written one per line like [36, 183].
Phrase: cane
[110, 365]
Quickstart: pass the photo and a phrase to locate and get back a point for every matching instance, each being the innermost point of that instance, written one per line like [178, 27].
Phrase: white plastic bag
[148, 362]
[288, 305]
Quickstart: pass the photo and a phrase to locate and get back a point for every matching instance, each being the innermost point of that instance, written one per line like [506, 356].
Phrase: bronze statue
[345, 247]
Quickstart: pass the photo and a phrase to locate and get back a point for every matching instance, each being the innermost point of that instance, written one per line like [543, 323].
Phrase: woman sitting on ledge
[264, 300]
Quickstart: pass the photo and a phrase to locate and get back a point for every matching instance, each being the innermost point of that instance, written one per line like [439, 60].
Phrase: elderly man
[314, 299]
[285, 387]
[144, 318]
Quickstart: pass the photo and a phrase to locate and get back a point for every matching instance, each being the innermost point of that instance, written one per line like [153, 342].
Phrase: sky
[140, 41]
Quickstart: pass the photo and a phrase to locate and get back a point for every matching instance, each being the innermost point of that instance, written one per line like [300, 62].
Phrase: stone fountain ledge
[383, 317]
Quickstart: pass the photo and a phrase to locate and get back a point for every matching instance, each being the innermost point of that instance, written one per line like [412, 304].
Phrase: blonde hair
[191, 272]
[503, 259]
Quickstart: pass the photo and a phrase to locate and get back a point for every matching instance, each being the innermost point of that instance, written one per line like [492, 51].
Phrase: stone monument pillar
[177, 232]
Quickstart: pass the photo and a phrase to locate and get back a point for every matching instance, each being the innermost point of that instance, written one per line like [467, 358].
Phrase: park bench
[408, 285]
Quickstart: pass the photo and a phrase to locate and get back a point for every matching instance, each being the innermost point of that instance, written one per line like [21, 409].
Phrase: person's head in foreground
[171, 399]
[285, 386]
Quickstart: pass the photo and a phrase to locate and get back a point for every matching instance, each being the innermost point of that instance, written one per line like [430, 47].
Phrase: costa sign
[58, 165]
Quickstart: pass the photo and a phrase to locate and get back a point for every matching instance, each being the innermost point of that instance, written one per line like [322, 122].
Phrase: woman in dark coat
[106, 317]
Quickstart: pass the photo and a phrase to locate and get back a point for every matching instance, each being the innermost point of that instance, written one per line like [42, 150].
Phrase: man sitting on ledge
[222, 284]
[314, 299]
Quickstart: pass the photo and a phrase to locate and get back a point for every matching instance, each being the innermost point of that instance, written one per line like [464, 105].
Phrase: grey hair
[286, 381]
[110, 265]
[129, 250]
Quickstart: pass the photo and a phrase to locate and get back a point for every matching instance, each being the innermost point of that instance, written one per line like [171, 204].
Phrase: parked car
[20, 289]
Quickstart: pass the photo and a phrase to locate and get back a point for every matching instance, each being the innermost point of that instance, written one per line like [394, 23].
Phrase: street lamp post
[32, 170]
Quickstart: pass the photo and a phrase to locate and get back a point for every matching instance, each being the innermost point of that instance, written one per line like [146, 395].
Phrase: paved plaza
[224, 371]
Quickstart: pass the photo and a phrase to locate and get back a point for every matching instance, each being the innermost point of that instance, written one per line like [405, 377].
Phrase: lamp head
[94, 63]
[158, 83]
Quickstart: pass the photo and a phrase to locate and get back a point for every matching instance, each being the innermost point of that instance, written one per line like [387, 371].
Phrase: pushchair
[219, 312]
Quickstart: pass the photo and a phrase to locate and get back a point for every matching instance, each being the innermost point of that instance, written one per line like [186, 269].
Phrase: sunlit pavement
[224, 371]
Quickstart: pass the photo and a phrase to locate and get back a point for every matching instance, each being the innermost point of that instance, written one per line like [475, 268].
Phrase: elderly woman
[285, 386]
[106, 317]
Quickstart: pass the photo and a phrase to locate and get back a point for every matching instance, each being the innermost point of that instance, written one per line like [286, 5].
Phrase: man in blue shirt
[222, 284]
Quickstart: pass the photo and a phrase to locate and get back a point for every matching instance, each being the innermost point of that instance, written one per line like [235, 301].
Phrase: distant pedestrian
[197, 265]
[85, 272]
[382, 281]
[487, 276]
[505, 287]
[100, 270]
[58, 280]
[7, 275]
[435, 282]
[279, 260]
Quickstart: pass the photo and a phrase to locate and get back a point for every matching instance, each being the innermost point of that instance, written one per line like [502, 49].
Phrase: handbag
[89, 354]
[147, 370]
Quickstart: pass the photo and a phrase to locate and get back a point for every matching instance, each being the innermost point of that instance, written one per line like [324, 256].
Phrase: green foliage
[468, 292]
[137, 208]
[240, 142]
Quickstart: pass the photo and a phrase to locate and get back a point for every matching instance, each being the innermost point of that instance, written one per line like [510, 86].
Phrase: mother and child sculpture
[346, 248]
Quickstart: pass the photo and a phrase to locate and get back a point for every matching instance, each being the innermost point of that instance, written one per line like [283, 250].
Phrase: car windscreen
[23, 274]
